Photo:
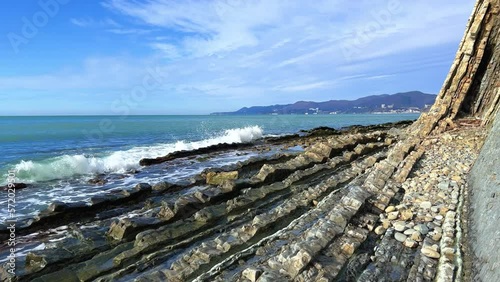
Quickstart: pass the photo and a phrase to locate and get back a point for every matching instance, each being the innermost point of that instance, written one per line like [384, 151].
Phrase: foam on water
[67, 166]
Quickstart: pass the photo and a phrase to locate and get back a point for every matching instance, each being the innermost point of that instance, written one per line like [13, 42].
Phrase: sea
[58, 155]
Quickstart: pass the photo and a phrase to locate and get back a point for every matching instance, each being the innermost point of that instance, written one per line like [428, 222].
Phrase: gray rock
[400, 236]
[422, 228]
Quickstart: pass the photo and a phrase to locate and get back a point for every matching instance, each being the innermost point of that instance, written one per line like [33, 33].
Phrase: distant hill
[414, 101]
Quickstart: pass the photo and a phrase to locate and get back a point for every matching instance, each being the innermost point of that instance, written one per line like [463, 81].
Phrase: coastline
[156, 206]
[233, 221]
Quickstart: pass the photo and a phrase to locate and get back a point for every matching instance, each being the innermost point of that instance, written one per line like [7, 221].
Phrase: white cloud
[249, 50]
[304, 87]
[92, 23]
[125, 31]
[168, 50]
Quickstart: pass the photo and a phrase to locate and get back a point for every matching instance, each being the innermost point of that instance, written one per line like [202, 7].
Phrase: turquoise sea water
[57, 155]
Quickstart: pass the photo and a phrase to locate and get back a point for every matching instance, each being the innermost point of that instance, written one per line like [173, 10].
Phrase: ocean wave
[68, 166]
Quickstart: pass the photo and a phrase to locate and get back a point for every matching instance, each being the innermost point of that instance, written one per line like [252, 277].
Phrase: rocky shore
[160, 230]
[382, 203]
[335, 211]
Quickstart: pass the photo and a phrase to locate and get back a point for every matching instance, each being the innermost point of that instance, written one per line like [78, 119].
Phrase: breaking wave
[68, 166]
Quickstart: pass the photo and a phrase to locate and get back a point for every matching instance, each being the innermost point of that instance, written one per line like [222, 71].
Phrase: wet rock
[140, 188]
[35, 261]
[105, 198]
[98, 180]
[16, 186]
[202, 197]
[58, 206]
[192, 153]
[166, 211]
[128, 227]
[162, 186]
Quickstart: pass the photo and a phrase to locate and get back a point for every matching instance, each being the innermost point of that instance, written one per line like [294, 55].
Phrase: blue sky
[196, 57]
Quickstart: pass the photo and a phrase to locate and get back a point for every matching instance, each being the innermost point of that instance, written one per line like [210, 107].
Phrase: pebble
[428, 252]
[417, 236]
[406, 215]
[428, 218]
[428, 186]
[386, 223]
[409, 232]
[400, 236]
[436, 236]
[422, 228]
[410, 243]
[393, 215]
[399, 226]
[390, 209]
[425, 205]
[380, 230]
[427, 213]
[444, 185]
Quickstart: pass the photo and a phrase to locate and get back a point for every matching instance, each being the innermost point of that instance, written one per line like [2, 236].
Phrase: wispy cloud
[168, 50]
[93, 23]
[273, 51]
[125, 31]
[304, 87]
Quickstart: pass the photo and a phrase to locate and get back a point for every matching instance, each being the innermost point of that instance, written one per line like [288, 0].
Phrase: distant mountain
[414, 101]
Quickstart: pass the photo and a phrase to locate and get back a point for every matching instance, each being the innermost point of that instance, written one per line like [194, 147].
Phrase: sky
[121, 57]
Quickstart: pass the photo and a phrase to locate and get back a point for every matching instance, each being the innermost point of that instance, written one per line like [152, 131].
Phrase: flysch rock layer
[380, 203]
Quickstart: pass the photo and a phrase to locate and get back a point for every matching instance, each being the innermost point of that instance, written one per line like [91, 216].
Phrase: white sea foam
[121, 161]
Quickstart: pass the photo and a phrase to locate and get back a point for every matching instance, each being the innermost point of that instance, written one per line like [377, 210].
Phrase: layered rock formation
[471, 88]
[366, 204]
